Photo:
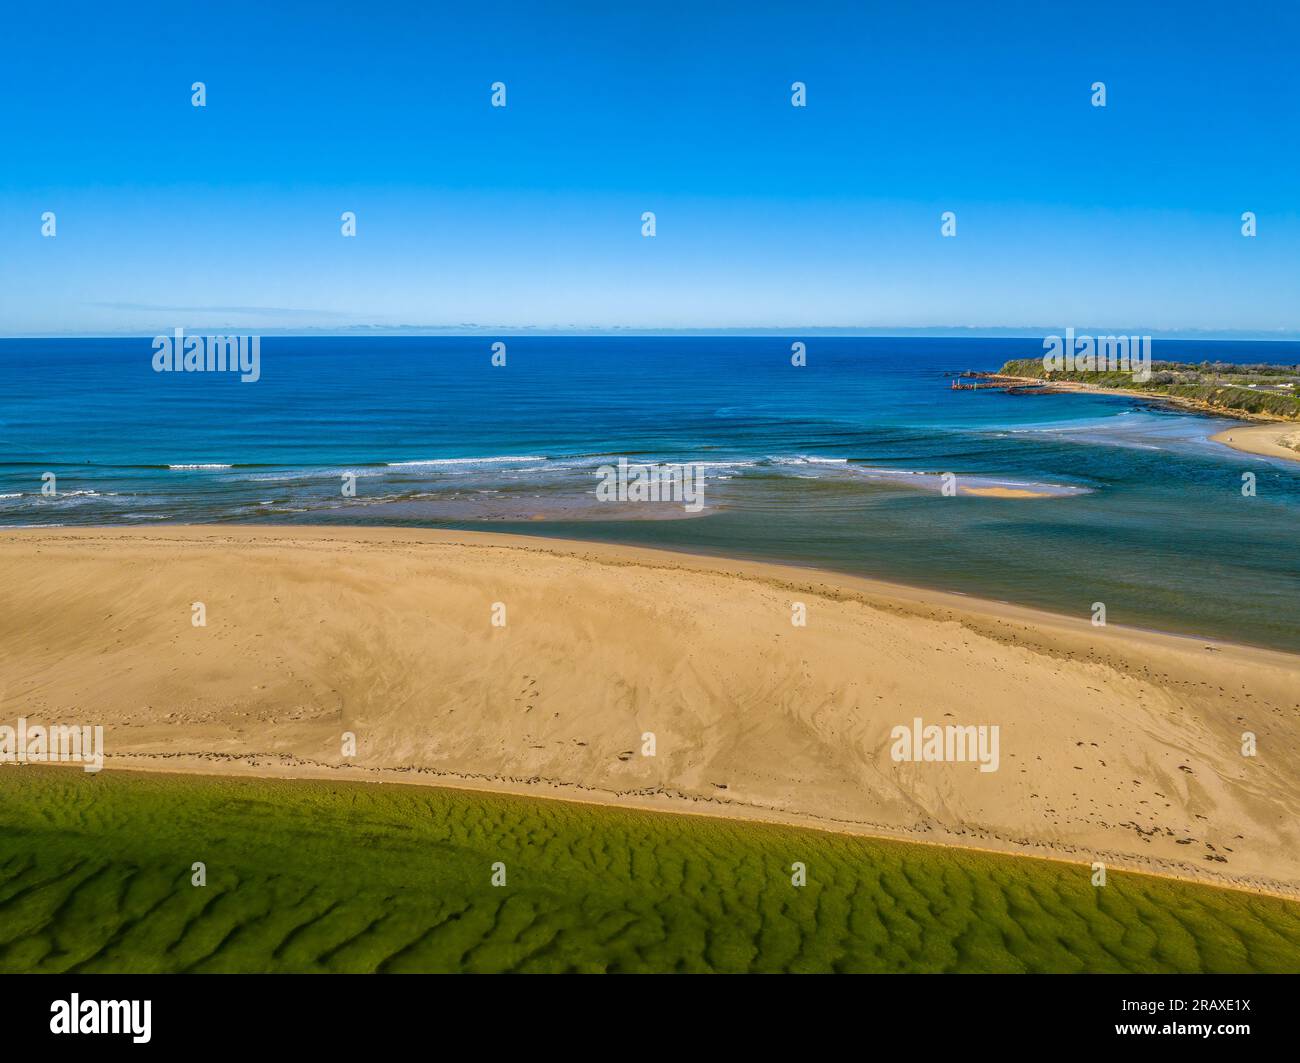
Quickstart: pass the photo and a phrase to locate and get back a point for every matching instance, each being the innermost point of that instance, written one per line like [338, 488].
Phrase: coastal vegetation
[98, 873]
[1260, 390]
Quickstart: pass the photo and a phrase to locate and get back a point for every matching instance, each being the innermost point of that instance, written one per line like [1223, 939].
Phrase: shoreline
[1178, 402]
[680, 805]
[617, 553]
[757, 719]
[1257, 434]
[1263, 440]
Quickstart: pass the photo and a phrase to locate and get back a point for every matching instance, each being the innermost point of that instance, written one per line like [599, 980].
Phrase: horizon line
[704, 332]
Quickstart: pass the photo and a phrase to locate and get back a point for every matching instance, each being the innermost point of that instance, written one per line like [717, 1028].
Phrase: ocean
[838, 463]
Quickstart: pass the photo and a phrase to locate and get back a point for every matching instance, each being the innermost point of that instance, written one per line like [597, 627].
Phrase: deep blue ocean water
[836, 463]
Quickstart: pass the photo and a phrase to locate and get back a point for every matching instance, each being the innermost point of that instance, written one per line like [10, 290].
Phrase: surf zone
[624, 482]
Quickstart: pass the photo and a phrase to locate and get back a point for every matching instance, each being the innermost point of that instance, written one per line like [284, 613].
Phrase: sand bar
[1116, 745]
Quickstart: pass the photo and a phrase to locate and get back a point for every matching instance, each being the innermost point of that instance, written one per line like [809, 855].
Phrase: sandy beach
[1267, 440]
[1116, 745]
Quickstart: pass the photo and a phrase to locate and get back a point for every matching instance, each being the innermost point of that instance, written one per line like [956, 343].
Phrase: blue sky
[769, 216]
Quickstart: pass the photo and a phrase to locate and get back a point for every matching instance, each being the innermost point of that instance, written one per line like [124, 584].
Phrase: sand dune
[1115, 745]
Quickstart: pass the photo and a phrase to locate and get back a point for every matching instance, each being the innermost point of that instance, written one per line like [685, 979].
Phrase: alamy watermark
[179, 353]
[951, 743]
[56, 744]
[75, 1015]
[1098, 354]
[626, 482]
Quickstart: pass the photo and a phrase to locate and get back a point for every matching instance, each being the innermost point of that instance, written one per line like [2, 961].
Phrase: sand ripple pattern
[346, 877]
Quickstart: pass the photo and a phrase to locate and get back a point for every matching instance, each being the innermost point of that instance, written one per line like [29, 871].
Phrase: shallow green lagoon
[95, 875]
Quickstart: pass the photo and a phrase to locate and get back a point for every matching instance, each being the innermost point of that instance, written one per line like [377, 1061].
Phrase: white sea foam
[468, 461]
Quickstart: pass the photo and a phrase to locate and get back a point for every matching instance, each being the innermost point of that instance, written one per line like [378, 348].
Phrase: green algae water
[97, 874]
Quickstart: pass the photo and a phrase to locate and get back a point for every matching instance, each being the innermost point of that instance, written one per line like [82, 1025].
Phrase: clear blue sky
[768, 216]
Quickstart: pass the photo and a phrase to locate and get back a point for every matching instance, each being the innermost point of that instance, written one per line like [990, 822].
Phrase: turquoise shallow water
[837, 463]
